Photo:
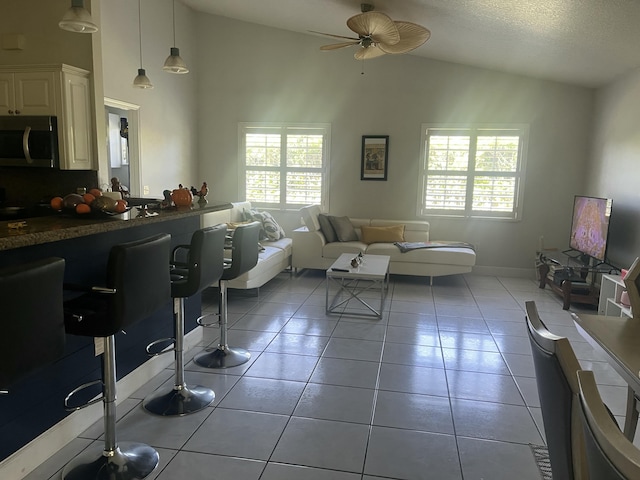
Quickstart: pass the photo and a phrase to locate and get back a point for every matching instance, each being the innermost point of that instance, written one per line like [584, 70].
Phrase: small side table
[372, 274]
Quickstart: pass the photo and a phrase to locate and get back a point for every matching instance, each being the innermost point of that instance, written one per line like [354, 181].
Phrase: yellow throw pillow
[390, 234]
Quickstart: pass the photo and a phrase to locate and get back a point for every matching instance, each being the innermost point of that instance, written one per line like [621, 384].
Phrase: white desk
[371, 274]
[619, 339]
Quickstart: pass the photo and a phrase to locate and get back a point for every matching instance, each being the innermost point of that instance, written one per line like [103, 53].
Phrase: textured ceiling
[584, 42]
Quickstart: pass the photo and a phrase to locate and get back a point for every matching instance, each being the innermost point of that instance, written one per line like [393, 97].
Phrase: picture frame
[374, 163]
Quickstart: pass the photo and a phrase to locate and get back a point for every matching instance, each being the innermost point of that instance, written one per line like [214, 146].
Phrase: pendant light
[174, 63]
[78, 19]
[141, 81]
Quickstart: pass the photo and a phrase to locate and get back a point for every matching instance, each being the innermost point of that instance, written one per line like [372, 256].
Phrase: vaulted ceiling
[583, 42]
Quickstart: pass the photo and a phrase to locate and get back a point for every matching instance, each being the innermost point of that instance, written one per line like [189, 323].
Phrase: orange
[56, 203]
[88, 198]
[121, 206]
[83, 208]
[96, 192]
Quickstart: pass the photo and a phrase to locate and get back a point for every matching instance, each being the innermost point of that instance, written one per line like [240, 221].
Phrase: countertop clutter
[63, 226]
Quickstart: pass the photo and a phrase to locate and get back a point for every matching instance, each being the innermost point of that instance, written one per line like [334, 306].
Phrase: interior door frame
[135, 169]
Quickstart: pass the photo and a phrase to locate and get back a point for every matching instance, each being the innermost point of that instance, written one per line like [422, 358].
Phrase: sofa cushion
[335, 249]
[344, 228]
[327, 229]
[388, 234]
[438, 256]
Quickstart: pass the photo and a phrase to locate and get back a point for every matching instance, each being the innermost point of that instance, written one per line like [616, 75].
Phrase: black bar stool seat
[244, 256]
[137, 285]
[203, 266]
[32, 318]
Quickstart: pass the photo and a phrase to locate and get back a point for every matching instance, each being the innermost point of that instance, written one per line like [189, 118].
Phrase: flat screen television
[590, 226]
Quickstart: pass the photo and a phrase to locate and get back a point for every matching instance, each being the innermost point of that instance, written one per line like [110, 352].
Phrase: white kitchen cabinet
[59, 90]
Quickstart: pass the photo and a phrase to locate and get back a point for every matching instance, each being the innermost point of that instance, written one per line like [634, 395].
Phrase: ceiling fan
[379, 35]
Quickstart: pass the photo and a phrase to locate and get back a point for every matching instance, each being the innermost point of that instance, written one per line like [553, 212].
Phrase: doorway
[123, 143]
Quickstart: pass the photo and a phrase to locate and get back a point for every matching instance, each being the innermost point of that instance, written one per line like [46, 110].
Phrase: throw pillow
[343, 228]
[388, 234]
[270, 229]
[327, 229]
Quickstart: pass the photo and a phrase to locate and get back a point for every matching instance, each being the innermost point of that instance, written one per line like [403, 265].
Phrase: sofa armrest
[307, 248]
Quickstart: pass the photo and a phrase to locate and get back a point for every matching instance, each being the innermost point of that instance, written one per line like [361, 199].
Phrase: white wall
[45, 42]
[168, 111]
[255, 73]
[615, 168]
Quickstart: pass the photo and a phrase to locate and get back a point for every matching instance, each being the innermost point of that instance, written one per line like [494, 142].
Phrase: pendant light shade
[141, 80]
[174, 63]
[78, 19]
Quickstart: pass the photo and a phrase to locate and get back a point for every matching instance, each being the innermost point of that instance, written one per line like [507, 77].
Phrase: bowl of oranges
[91, 202]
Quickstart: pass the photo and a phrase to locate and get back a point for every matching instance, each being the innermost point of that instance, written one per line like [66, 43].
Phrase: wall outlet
[145, 190]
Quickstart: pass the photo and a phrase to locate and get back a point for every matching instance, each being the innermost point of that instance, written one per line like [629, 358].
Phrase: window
[284, 165]
[473, 172]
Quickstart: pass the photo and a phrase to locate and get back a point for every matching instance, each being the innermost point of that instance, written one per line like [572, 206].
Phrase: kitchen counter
[65, 226]
[85, 243]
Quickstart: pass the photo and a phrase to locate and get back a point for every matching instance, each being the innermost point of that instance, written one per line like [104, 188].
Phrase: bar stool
[138, 284]
[204, 265]
[244, 256]
[32, 323]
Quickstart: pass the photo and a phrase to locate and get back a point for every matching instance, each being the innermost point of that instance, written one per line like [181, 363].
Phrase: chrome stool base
[179, 401]
[129, 461]
[222, 358]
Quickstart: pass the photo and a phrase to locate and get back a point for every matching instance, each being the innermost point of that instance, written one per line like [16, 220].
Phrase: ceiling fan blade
[411, 37]
[333, 36]
[378, 26]
[368, 53]
[335, 46]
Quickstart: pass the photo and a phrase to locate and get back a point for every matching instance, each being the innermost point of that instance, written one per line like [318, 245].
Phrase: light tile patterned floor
[442, 387]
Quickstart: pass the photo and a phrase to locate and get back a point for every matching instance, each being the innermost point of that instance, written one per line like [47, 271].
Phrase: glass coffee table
[372, 275]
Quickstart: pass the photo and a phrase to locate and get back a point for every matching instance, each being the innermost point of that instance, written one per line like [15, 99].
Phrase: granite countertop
[64, 226]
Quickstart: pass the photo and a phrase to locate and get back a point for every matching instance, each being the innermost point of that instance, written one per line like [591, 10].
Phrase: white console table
[611, 287]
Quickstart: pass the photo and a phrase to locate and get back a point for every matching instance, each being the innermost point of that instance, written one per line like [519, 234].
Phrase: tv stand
[569, 277]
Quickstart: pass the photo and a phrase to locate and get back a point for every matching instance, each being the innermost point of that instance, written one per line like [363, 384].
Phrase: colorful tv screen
[590, 226]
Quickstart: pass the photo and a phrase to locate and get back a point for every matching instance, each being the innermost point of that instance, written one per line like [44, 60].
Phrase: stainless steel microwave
[29, 141]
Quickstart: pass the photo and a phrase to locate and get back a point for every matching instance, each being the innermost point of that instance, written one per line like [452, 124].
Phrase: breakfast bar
[84, 241]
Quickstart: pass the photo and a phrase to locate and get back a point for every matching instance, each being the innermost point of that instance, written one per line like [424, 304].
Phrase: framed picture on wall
[375, 157]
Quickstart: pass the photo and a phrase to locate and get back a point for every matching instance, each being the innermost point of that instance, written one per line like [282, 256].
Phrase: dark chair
[32, 318]
[610, 455]
[556, 366]
[244, 256]
[203, 267]
[137, 285]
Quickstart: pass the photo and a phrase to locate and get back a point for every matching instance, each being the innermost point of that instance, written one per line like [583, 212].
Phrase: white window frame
[521, 130]
[284, 129]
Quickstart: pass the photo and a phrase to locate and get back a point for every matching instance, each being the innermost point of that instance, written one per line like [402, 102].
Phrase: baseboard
[505, 271]
[29, 457]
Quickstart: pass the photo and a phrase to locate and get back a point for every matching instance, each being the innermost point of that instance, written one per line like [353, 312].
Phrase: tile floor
[442, 387]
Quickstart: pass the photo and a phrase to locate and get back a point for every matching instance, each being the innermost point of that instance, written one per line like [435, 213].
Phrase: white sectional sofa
[311, 249]
[275, 257]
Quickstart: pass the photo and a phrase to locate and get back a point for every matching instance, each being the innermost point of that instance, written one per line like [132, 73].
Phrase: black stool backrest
[611, 456]
[205, 261]
[244, 250]
[139, 271]
[556, 366]
[32, 316]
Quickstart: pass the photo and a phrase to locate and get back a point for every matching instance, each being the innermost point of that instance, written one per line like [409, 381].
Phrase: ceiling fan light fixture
[77, 19]
[174, 63]
[141, 80]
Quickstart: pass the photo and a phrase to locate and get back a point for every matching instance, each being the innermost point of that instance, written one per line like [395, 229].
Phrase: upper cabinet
[59, 90]
[27, 93]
